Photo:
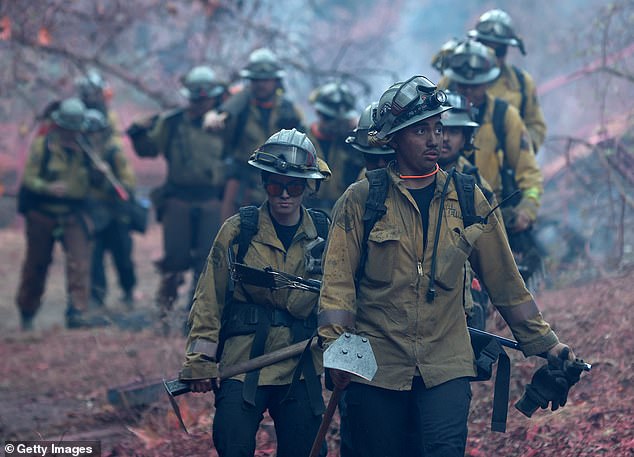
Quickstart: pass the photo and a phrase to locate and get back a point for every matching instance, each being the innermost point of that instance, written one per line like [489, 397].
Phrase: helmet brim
[248, 74]
[290, 172]
[421, 117]
[492, 38]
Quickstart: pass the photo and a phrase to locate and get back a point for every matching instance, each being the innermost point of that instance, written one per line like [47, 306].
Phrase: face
[285, 195]
[475, 93]
[418, 146]
[264, 89]
[453, 141]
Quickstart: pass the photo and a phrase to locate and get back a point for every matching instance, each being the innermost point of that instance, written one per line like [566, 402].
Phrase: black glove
[549, 385]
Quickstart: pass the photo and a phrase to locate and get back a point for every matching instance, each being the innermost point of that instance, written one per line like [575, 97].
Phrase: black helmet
[335, 100]
[70, 114]
[406, 103]
[496, 26]
[440, 60]
[288, 153]
[91, 85]
[95, 121]
[359, 137]
[200, 82]
[472, 63]
[263, 64]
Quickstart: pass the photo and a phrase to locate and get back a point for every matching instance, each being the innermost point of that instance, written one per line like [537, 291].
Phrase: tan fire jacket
[519, 154]
[507, 87]
[70, 166]
[408, 334]
[209, 300]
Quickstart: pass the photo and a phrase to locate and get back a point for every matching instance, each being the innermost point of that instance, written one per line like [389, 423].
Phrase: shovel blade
[351, 353]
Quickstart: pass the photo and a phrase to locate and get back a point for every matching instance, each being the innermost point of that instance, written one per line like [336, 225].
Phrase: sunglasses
[293, 188]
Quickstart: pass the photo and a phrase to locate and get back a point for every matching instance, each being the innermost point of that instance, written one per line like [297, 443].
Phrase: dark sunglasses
[293, 188]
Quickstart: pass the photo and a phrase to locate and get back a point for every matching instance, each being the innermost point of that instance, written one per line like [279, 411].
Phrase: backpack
[300, 330]
[487, 350]
[509, 184]
[521, 79]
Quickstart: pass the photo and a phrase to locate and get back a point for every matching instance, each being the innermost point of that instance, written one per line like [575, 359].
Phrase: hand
[204, 385]
[559, 353]
[58, 188]
[340, 378]
[214, 120]
[522, 220]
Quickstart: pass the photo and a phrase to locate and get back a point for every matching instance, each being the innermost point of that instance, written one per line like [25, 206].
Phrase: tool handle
[325, 422]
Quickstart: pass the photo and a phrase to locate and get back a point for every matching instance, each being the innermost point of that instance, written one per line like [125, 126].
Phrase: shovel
[350, 353]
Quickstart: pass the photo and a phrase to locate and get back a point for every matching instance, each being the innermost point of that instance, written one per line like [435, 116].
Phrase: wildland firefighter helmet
[263, 64]
[440, 60]
[460, 115]
[359, 137]
[496, 26]
[334, 100]
[288, 153]
[200, 83]
[472, 63]
[70, 114]
[94, 121]
[406, 103]
[91, 85]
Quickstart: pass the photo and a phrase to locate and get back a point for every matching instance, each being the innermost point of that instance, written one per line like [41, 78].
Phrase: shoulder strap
[249, 216]
[499, 113]
[465, 188]
[522, 81]
[46, 158]
[321, 221]
[171, 122]
[375, 209]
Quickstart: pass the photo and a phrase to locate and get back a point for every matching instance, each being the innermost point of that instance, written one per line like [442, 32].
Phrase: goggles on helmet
[293, 188]
[286, 158]
[495, 28]
[468, 65]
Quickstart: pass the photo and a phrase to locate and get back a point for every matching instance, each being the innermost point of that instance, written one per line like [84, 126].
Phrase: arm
[521, 159]
[201, 357]
[533, 115]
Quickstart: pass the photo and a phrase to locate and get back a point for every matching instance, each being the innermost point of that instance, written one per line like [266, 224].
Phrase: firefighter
[114, 233]
[233, 322]
[504, 153]
[53, 199]
[401, 284]
[495, 29]
[334, 104]
[188, 203]
[246, 120]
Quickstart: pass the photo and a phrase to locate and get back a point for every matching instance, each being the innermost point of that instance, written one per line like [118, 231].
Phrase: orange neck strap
[421, 176]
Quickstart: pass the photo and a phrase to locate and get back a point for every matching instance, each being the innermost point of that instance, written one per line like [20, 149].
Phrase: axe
[350, 353]
[176, 387]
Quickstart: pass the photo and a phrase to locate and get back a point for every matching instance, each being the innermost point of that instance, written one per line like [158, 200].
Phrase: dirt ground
[55, 382]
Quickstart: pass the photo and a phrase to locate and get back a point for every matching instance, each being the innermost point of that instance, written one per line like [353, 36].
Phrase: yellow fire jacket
[409, 335]
[507, 87]
[519, 155]
[209, 300]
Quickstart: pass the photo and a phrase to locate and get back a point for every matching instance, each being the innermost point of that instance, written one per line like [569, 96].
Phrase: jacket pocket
[452, 259]
[382, 252]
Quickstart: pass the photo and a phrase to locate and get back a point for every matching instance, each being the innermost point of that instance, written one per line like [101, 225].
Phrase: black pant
[115, 238]
[236, 422]
[420, 422]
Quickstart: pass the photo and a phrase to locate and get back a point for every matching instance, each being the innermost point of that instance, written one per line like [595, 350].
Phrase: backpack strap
[321, 221]
[375, 209]
[171, 122]
[499, 113]
[249, 217]
[465, 188]
[472, 170]
[521, 79]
